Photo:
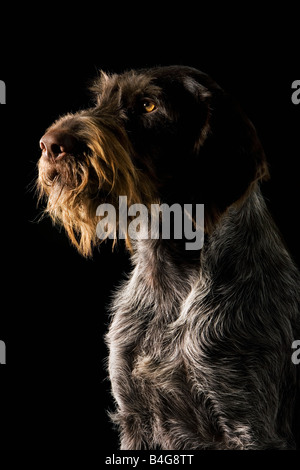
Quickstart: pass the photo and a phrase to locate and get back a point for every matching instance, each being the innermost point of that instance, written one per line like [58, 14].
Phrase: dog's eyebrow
[104, 81]
[150, 90]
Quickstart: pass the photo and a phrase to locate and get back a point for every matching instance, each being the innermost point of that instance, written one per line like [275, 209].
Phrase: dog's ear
[229, 154]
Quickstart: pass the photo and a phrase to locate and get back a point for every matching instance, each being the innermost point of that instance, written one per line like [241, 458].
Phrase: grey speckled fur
[200, 353]
[200, 343]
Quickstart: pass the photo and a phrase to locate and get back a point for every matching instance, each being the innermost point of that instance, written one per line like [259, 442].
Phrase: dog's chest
[155, 357]
[144, 336]
[147, 365]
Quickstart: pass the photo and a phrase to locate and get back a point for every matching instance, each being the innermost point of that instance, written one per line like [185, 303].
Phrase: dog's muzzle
[56, 144]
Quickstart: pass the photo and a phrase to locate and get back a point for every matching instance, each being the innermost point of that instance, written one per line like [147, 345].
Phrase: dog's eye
[148, 106]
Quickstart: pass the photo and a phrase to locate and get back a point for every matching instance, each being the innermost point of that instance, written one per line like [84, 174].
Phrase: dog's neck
[244, 243]
[244, 237]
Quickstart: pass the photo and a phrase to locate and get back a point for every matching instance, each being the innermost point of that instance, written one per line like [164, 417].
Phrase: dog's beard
[70, 202]
[75, 185]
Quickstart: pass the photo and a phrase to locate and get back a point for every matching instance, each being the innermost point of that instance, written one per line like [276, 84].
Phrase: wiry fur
[201, 359]
[200, 343]
[104, 170]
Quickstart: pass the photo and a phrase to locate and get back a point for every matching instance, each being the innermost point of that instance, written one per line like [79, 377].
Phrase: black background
[53, 391]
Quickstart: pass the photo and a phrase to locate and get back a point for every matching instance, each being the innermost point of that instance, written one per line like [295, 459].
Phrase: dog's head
[167, 134]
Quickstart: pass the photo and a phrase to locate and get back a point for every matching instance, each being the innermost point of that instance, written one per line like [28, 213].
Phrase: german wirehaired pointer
[200, 340]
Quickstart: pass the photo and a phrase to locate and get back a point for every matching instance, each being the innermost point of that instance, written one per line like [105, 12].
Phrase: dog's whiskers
[200, 341]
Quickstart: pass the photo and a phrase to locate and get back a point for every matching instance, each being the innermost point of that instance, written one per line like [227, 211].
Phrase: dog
[200, 341]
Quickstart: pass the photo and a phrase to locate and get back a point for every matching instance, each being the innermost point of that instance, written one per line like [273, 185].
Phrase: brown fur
[200, 342]
[105, 167]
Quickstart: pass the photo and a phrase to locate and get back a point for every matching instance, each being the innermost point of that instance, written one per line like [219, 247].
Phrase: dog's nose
[56, 144]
